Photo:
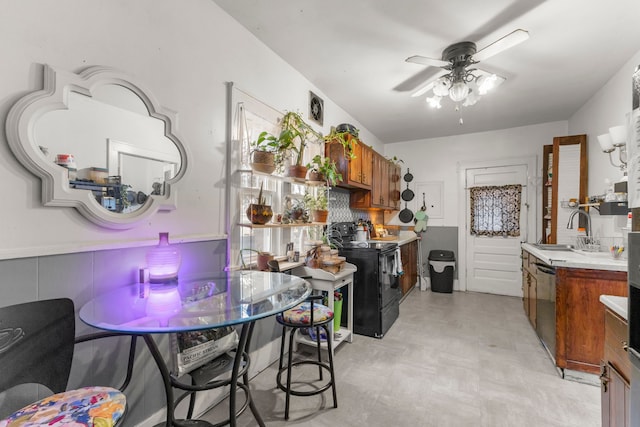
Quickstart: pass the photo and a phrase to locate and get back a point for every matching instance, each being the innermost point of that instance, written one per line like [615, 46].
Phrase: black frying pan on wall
[407, 195]
[405, 215]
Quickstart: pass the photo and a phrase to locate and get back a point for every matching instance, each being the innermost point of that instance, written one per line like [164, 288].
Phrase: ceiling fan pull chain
[460, 119]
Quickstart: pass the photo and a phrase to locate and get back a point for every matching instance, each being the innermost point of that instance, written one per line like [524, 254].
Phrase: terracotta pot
[263, 259]
[297, 171]
[259, 214]
[316, 176]
[319, 215]
[263, 161]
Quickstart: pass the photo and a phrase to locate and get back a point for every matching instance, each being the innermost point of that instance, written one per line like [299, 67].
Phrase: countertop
[578, 259]
[617, 304]
[402, 239]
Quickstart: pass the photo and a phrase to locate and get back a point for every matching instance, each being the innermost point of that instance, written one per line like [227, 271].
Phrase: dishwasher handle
[545, 268]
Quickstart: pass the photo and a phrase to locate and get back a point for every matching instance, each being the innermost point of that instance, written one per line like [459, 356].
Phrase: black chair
[312, 316]
[37, 342]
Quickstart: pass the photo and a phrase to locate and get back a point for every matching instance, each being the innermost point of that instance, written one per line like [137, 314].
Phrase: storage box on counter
[323, 257]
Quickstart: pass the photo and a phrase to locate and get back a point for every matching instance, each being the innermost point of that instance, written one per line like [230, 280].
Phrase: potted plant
[263, 155]
[259, 213]
[295, 212]
[262, 258]
[324, 169]
[345, 138]
[293, 140]
[317, 204]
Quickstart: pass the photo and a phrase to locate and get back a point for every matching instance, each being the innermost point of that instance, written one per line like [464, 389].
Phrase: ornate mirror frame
[57, 84]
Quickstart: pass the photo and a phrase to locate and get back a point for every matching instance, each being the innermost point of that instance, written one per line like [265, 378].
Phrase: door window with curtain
[495, 210]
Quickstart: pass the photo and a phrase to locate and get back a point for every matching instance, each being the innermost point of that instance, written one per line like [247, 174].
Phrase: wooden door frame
[531, 162]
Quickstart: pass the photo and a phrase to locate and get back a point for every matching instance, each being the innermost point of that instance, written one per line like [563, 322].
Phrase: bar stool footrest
[322, 389]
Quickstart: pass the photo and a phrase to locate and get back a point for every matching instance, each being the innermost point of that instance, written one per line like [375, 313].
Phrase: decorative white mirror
[99, 143]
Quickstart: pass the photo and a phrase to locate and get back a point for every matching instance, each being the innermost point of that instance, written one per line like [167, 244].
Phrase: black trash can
[441, 267]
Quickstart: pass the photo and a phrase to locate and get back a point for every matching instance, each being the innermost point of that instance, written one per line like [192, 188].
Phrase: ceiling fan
[458, 79]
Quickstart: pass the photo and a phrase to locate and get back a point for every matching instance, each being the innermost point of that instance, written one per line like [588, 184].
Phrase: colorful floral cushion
[301, 314]
[84, 407]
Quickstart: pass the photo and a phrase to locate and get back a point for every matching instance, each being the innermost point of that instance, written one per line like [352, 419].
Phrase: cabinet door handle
[604, 379]
[625, 346]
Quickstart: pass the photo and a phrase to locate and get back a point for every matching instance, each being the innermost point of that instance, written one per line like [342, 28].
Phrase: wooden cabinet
[409, 256]
[565, 172]
[380, 194]
[373, 180]
[356, 172]
[385, 187]
[547, 189]
[615, 372]
[580, 327]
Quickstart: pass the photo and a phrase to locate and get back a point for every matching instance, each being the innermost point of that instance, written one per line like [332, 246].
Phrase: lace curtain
[495, 210]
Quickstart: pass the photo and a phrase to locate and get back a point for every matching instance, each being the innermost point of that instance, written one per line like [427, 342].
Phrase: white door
[493, 263]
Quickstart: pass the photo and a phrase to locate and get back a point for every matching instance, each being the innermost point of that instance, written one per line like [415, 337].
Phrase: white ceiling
[354, 51]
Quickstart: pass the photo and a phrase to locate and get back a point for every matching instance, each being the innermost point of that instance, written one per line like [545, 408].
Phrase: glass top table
[232, 298]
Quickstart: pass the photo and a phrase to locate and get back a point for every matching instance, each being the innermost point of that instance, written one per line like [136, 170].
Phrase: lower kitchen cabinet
[580, 329]
[409, 256]
[615, 372]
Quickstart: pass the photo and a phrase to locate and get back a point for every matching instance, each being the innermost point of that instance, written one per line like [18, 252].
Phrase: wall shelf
[614, 208]
[292, 225]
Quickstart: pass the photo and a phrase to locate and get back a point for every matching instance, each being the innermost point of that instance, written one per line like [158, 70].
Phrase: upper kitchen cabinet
[565, 168]
[356, 171]
[385, 187]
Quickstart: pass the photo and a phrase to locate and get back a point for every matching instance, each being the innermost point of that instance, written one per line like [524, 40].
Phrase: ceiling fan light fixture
[486, 83]
[441, 87]
[459, 90]
[434, 101]
[471, 99]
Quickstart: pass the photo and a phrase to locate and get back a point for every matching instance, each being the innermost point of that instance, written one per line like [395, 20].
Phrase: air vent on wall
[316, 108]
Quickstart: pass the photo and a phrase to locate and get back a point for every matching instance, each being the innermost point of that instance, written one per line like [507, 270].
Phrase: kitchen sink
[593, 254]
[552, 247]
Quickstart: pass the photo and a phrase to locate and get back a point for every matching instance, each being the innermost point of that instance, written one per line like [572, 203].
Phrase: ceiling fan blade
[428, 85]
[423, 60]
[504, 43]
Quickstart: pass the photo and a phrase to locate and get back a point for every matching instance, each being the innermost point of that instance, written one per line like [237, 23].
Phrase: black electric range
[376, 290]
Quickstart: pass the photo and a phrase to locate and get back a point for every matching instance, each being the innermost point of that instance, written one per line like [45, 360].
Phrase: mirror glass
[109, 144]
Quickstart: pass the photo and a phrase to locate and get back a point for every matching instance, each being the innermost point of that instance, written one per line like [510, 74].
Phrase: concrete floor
[460, 359]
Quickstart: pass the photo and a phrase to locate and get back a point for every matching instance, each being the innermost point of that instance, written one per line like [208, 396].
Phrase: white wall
[437, 159]
[607, 108]
[183, 52]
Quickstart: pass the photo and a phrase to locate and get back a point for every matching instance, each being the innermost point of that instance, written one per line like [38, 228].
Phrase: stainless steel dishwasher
[546, 307]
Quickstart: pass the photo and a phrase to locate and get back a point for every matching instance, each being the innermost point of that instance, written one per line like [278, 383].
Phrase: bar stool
[306, 315]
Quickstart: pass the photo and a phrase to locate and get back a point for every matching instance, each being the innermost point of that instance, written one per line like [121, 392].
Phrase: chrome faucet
[586, 214]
